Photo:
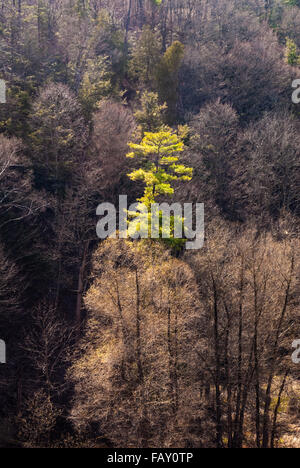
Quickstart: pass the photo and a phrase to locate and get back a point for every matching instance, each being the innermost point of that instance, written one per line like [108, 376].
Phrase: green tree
[151, 115]
[160, 168]
[58, 137]
[96, 85]
[14, 114]
[291, 54]
[145, 58]
[167, 78]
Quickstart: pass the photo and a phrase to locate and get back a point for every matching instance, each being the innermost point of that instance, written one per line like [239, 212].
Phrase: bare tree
[249, 283]
[113, 126]
[136, 377]
[17, 198]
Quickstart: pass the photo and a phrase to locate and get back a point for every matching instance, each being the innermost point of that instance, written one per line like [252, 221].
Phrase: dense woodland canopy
[122, 343]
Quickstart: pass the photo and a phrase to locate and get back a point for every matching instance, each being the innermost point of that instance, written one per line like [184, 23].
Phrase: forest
[142, 343]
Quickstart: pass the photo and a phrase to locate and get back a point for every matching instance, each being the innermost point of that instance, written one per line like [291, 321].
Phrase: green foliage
[158, 154]
[151, 115]
[44, 23]
[58, 135]
[96, 85]
[81, 8]
[291, 2]
[14, 115]
[109, 43]
[160, 167]
[291, 55]
[145, 58]
[167, 78]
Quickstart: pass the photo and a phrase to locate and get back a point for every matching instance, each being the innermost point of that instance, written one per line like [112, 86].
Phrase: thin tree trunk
[144, 418]
[127, 25]
[272, 370]
[276, 410]
[240, 357]
[138, 331]
[257, 387]
[248, 380]
[217, 369]
[228, 379]
[80, 288]
[256, 363]
[176, 364]
[170, 359]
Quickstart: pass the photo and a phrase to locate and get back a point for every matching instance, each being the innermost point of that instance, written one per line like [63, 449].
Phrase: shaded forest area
[118, 343]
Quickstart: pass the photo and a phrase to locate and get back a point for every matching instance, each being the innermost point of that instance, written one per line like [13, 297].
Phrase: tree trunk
[217, 367]
[273, 434]
[80, 288]
[228, 379]
[240, 358]
[265, 443]
[143, 426]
